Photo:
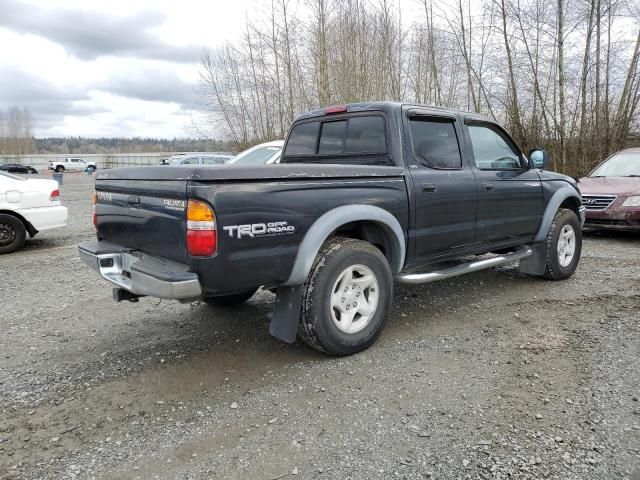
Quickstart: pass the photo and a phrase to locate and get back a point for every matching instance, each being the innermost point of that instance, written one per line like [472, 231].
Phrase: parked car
[197, 159]
[72, 164]
[363, 194]
[265, 153]
[17, 168]
[27, 206]
[611, 192]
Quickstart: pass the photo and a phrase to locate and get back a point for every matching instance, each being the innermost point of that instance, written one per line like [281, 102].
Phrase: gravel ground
[492, 375]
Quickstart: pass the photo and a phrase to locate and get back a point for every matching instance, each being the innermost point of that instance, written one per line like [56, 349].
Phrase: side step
[415, 278]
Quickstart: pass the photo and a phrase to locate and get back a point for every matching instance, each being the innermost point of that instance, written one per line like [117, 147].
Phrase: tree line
[561, 74]
[16, 132]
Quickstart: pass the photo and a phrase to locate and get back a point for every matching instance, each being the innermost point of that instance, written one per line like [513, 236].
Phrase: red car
[611, 193]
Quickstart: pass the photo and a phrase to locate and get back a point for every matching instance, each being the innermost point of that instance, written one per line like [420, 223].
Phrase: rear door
[510, 195]
[444, 186]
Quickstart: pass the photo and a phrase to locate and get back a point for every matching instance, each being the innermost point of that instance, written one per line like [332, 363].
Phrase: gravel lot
[491, 375]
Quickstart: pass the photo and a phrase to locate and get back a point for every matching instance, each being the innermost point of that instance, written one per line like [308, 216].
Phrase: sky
[116, 68]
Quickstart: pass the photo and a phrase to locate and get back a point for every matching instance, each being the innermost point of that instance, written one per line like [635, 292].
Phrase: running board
[415, 278]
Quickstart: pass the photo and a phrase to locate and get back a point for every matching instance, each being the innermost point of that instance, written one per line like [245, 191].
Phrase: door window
[492, 150]
[435, 144]
[191, 161]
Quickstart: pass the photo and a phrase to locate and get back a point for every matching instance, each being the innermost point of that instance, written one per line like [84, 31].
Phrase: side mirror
[538, 158]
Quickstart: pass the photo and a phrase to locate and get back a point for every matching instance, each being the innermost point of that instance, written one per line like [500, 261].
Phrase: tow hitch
[120, 294]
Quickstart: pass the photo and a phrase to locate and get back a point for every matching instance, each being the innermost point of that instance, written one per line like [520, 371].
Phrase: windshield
[14, 177]
[625, 164]
[256, 156]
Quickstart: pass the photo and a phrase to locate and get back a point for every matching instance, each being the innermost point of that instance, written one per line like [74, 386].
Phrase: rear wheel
[59, 169]
[91, 169]
[564, 245]
[229, 300]
[347, 297]
[12, 234]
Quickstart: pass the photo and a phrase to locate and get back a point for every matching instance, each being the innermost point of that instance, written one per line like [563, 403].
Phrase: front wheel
[91, 169]
[563, 245]
[59, 169]
[346, 298]
[12, 234]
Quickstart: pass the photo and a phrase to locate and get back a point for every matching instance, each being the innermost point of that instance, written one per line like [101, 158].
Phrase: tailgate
[145, 215]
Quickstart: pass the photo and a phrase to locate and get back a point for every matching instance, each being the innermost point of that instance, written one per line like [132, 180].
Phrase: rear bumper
[140, 274]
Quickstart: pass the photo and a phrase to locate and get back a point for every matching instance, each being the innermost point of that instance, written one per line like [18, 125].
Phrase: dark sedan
[611, 193]
[17, 168]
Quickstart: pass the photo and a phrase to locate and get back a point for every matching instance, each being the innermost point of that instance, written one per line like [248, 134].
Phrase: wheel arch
[366, 222]
[31, 230]
[565, 197]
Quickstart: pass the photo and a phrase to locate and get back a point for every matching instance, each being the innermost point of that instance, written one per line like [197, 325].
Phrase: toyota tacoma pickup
[364, 194]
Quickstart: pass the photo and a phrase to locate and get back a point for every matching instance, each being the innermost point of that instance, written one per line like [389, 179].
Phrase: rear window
[303, 138]
[349, 137]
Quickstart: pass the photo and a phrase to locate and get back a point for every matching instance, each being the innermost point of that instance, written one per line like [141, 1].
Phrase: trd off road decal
[254, 230]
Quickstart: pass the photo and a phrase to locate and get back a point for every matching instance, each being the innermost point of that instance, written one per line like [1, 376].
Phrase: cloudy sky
[110, 68]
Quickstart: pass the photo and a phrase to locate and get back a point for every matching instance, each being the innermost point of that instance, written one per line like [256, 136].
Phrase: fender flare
[558, 197]
[335, 218]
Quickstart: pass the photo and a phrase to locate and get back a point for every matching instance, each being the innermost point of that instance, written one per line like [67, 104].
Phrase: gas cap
[13, 196]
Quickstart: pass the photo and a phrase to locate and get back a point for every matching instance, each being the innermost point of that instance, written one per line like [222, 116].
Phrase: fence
[103, 161]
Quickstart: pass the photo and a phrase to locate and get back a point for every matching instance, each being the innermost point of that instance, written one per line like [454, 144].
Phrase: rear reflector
[202, 238]
[94, 217]
[335, 109]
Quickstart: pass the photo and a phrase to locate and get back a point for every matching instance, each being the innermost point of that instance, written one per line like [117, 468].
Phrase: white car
[260, 154]
[27, 206]
[197, 159]
[72, 164]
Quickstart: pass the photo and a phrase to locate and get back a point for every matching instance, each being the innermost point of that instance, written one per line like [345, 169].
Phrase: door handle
[429, 187]
[488, 187]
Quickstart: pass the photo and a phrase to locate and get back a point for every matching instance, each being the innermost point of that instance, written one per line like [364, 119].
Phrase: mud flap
[286, 313]
[537, 263]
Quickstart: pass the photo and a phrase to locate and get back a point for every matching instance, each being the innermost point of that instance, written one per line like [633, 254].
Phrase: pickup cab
[364, 195]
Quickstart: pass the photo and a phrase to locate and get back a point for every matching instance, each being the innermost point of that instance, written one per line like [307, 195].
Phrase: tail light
[202, 238]
[94, 200]
[54, 198]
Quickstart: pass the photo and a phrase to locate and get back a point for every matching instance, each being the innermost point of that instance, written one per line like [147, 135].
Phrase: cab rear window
[344, 138]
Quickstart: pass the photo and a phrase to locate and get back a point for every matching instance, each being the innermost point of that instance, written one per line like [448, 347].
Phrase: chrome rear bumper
[140, 274]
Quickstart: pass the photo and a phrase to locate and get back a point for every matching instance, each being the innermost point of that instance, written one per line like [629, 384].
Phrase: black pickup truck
[364, 194]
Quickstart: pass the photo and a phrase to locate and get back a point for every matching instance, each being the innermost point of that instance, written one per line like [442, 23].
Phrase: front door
[444, 187]
[509, 193]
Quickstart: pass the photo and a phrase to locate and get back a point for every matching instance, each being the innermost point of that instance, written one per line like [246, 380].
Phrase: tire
[229, 300]
[327, 321]
[91, 169]
[13, 234]
[563, 245]
[59, 169]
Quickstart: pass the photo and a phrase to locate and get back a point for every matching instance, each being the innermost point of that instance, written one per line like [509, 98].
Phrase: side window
[191, 161]
[491, 150]
[302, 140]
[366, 135]
[332, 137]
[435, 143]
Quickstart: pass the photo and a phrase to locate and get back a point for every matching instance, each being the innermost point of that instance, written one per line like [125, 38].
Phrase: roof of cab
[390, 106]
